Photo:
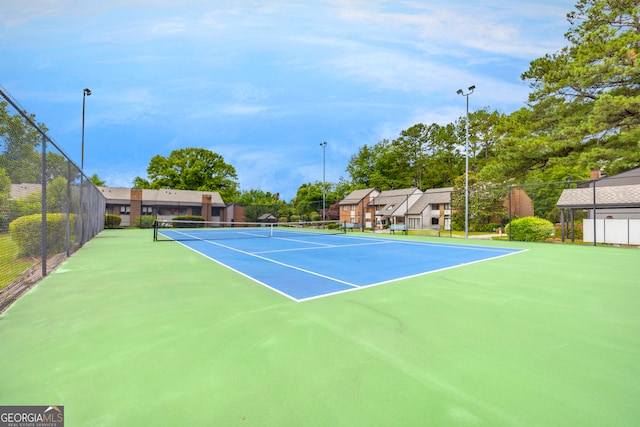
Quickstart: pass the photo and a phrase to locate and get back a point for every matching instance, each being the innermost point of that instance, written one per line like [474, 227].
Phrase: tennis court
[305, 265]
[131, 332]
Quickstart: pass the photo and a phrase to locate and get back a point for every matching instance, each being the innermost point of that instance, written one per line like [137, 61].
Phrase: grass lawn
[10, 267]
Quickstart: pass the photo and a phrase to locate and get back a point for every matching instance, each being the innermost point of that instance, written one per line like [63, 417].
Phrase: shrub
[26, 232]
[530, 229]
[146, 221]
[577, 231]
[112, 221]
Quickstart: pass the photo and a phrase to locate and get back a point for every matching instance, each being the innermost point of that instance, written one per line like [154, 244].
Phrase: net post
[155, 230]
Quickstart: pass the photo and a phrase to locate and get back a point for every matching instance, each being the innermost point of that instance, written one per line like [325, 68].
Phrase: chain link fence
[48, 208]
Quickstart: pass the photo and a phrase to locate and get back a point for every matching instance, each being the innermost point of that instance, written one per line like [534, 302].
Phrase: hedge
[26, 232]
[530, 229]
[112, 221]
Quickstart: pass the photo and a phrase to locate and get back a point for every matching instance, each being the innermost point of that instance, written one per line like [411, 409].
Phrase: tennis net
[164, 230]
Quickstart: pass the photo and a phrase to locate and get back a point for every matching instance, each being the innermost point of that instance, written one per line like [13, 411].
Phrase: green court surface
[128, 332]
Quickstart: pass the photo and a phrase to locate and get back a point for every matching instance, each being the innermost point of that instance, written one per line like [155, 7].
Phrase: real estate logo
[31, 416]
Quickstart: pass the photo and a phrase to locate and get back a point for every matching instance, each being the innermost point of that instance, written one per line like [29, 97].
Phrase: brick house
[131, 204]
[356, 208]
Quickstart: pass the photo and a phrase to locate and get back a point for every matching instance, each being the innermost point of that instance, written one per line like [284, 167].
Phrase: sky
[263, 83]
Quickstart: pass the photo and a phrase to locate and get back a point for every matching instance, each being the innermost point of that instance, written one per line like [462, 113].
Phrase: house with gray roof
[612, 205]
[432, 210]
[131, 204]
[392, 206]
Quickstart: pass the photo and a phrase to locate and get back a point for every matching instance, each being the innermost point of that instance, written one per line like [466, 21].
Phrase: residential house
[392, 206]
[133, 203]
[612, 205]
[616, 197]
[432, 210]
[268, 218]
[356, 209]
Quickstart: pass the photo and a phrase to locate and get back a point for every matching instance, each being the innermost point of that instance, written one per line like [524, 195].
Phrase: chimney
[595, 173]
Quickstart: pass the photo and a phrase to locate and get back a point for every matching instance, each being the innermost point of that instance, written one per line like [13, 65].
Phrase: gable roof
[606, 197]
[19, 191]
[356, 196]
[431, 196]
[394, 197]
[118, 195]
[628, 177]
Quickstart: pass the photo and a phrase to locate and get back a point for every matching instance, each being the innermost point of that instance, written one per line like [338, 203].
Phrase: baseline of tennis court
[306, 267]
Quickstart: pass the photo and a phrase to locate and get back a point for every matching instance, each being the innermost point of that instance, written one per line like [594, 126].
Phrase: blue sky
[263, 83]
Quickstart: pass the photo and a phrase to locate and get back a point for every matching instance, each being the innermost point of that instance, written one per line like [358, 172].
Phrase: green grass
[10, 267]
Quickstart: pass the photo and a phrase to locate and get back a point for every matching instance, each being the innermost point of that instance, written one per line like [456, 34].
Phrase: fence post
[67, 243]
[595, 238]
[509, 197]
[43, 227]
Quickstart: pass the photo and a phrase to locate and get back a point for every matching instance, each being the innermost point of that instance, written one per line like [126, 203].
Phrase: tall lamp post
[466, 163]
[324, 163]
[86, 92]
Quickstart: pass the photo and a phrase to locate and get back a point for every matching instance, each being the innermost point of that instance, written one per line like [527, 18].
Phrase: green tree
[97, 181]
[486, 204]
[191, 169]
[19, 142]
[257, 203]
[586, 98]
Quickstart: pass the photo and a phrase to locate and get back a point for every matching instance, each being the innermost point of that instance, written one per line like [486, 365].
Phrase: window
[196, 211]
[125, 210]
[353, 208]
[435, 220]
[435, 207]
[147, 210]
[166, 211]
[344, 208]
[215, 211]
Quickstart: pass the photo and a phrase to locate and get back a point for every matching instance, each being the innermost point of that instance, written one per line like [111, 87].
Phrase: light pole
[324, 163]
[466, 163]
[86, 92]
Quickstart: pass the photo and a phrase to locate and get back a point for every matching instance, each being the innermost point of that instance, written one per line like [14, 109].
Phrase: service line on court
[293, 267]
[323, 247]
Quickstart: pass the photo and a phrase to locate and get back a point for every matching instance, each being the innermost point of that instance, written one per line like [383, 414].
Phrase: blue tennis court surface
[307, 267]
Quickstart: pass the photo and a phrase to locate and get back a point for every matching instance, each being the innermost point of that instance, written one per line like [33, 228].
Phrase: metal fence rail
[48, 208]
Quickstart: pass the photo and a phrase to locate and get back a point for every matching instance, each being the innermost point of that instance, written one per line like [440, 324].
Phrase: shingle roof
[393, 196]
[606, 197]
[431, 196]
[19, 191]
[157, 197]
[356, 196]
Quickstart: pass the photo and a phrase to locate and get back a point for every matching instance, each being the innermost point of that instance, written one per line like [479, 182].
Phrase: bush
[146, 221]
[530, 229]
[112, 221]
[26, 232]
[577, 231]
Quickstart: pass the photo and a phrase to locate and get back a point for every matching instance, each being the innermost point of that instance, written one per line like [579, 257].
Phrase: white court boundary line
[354, 287]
